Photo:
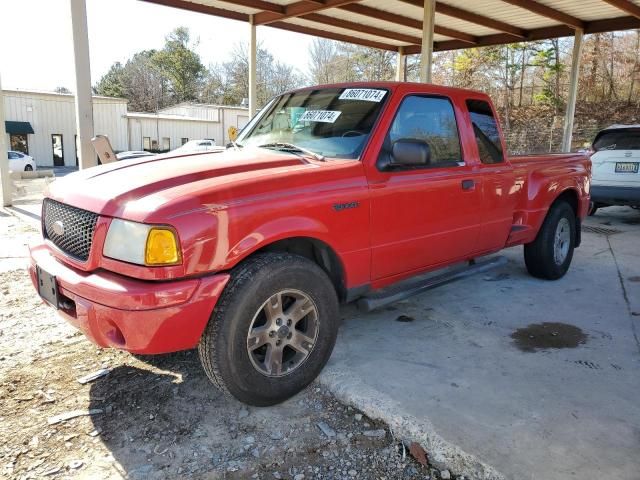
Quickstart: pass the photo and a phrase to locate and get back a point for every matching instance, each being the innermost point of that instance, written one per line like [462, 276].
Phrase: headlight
[141, 244]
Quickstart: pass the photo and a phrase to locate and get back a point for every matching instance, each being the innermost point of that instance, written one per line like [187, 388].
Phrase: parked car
[193, 146]
[616, 162]
[247, 257]
[133, 154]
[20, 162]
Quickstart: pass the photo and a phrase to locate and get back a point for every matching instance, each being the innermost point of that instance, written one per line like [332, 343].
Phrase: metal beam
[292, 27]
[5, 180]
[199, 8]
[359, 27]
[626, 6]
[548, 12]
[83, 99]
[401, 66]
[297, 9]
[253, 68]
[468, 16]
[426, 59]
[406, 21]
[573, 91]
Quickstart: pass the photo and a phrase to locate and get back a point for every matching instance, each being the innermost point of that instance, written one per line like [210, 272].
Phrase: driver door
[428, 215]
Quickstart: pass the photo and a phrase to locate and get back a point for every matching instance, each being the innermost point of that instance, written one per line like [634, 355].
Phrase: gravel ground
[158, 417]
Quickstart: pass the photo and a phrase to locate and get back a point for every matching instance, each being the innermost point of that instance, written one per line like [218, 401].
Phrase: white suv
[616, 167]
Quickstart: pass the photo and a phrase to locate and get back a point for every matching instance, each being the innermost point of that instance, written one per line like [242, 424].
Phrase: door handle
[468, 184]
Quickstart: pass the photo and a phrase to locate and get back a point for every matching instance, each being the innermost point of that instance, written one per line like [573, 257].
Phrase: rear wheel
[273, 329]
[550, 254]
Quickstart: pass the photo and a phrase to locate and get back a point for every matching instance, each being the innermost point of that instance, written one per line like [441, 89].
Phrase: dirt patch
[157, 417]
[542, 336]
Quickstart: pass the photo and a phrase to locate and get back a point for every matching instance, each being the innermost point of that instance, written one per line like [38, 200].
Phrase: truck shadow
[160, 416]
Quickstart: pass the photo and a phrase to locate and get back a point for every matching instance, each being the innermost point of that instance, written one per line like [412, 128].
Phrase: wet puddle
[541, 336]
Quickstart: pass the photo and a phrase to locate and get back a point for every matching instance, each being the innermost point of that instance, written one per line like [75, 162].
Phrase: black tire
[539, 255]
[28, 168]
[223, 347]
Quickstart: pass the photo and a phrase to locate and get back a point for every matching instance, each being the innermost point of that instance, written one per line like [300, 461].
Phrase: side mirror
[409, 152]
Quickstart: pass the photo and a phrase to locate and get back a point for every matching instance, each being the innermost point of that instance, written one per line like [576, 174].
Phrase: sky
[42, 56]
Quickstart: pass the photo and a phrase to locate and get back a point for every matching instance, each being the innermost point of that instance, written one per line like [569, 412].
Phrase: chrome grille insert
[69, 228]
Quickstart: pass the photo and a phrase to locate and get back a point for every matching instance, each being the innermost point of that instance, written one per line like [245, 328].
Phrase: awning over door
[18, 127]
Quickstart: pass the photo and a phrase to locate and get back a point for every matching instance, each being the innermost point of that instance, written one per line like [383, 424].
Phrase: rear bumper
[615, 195]
[138, 316]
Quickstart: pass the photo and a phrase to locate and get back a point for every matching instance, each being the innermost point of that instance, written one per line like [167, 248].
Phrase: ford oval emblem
[58, 228]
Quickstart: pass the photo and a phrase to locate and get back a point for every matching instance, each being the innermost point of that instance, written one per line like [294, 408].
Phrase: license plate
[627, 167]
[47, 287]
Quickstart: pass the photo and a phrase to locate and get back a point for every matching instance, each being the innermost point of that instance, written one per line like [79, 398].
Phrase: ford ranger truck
[330, 194]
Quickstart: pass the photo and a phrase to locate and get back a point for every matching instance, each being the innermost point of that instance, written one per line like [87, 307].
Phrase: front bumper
[615, 195]
[139, 316]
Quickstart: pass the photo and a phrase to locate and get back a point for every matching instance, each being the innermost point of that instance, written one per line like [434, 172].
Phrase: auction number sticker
[324, 116]
[366, 94]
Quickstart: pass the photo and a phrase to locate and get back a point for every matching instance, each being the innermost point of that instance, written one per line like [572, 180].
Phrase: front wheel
[550, 254]
[273, 329]
[28, 168]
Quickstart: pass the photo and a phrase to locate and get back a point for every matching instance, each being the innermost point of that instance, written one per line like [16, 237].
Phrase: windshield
[332, 122]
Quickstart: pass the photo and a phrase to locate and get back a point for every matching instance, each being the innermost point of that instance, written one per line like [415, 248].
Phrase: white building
[176, 125]
[42, 124]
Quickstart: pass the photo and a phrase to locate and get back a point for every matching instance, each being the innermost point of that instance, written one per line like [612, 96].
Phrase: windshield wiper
[284, 146]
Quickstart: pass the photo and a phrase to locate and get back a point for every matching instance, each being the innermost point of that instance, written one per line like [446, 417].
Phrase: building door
[58, 150]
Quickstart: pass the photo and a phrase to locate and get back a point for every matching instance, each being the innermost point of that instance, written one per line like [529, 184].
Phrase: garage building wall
[53, 113]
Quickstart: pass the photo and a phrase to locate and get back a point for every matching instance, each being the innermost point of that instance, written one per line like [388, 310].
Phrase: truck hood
[106, 189]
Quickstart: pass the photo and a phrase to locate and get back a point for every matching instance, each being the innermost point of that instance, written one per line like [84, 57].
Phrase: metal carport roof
[389, 24]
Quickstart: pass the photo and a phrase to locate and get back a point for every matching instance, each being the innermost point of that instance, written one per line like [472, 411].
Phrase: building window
[146, 143]
[184, 140]
[19, 142]
[166, 143]
[154, 145]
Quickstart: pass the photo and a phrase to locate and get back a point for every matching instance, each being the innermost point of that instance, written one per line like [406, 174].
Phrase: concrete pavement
[455, 380]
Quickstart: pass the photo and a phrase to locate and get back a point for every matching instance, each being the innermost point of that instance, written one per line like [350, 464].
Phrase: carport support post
[401, 65]
[5, 180]
[427, 40]
[253, 46]
[573, 91]
[84, 102]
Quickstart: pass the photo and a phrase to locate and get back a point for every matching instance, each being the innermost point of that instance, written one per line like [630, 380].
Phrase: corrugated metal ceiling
[458, 23]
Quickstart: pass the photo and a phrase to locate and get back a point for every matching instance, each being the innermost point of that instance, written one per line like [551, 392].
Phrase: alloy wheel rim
[562, 241]
[283, 333]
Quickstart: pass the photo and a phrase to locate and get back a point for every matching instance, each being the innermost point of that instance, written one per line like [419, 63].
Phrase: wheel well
[318, 252]
[571, 197]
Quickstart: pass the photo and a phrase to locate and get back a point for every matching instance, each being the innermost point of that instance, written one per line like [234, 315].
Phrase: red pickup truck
[330, 194]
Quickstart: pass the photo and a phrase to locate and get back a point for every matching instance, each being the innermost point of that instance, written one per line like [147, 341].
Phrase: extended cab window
[432, 120]
[486, 131]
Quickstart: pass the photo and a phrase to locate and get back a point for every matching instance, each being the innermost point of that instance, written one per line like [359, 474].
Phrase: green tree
[112, 83]
[180, 65]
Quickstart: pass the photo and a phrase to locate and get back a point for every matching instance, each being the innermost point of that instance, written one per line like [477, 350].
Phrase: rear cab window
[485, 130]
[432, 120]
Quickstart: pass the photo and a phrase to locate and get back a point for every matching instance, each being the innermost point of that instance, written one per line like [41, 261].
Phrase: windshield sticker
[366, 94]
[324, 116]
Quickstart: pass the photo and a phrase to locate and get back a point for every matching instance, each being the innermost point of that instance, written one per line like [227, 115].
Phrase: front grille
[73, 233]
